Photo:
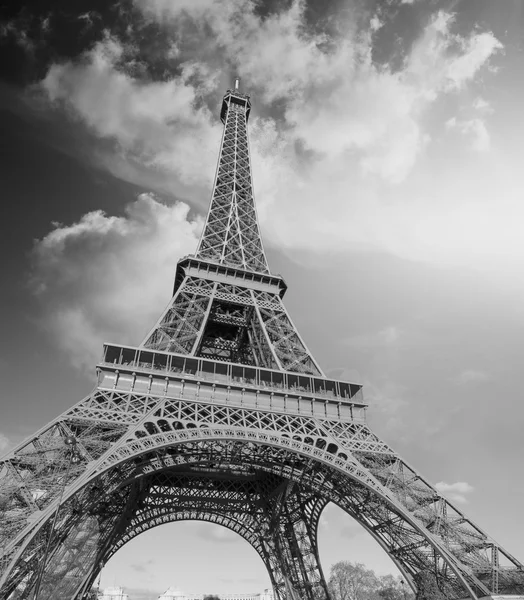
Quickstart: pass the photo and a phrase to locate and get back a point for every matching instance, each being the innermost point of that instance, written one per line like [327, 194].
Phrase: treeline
[353, 581]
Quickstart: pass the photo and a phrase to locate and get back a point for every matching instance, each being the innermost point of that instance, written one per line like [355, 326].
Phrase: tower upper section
[231, 235]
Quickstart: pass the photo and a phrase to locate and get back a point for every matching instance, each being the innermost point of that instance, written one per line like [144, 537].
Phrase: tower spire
[226, 305]
[231, 235]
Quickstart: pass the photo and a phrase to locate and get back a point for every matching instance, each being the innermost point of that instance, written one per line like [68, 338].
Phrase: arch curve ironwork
[321, 473]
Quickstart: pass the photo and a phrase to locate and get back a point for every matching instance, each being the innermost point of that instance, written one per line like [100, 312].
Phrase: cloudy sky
[386, 139]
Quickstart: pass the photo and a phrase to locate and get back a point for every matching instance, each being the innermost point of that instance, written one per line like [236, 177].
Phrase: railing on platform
[234, 374]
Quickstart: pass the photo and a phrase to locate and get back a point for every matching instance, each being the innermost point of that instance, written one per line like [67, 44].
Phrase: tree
[350, 581]
[211, 597]
[394, 588]
[427, 587]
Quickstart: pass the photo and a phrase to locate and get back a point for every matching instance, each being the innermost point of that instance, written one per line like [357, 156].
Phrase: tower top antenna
[237, 83]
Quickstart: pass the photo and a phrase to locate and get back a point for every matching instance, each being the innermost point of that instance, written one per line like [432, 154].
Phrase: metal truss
[228, 322]
[231, 235]
[129, 478]
[241, 505]
[223, 415]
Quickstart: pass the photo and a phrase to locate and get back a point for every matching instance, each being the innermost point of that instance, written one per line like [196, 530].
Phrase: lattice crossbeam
[399, 507]
[231, 234]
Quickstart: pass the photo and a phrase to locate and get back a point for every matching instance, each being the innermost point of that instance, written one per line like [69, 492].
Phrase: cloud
[476, 50]
[107, 278]
[475, 129]
[89, 17]
[338, 141]
[444, 61]
[5, 443]
[472, 376]
[162, 9]
[375, 23]
[482, 106]
[336, 100]
[456, 492]
[18, 32]
[156, 123]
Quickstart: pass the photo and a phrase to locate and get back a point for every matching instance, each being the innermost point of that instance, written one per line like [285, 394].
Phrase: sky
[386, 141]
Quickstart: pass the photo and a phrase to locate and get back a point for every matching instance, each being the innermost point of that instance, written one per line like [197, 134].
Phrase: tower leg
[291, 544]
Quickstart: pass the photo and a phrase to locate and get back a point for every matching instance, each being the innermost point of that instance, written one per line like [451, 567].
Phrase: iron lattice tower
[222, 414]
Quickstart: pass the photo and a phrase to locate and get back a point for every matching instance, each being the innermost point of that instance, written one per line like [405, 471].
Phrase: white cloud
[339, 153]
[107, 278]
[338, 100]
[375, 23]
[482, 106]
[475, 129]
[444, 61]
[476, 50]
[456, 492]
[154, 122]
[162, 9]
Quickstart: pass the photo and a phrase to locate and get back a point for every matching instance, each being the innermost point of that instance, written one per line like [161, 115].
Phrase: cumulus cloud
[456, 492]
[169, 9]
[155, 122]
[375, 23]
[444, 61]
[475, 130]
[482, 106]
[107, 278]
[476, 50]
[336, 138]
[336, 100]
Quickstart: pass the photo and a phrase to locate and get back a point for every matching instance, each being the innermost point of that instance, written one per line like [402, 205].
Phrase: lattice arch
[176, 517]
[340, 481]
[247, 523]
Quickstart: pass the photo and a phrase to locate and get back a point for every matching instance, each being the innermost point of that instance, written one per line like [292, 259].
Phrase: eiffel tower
[223, 415]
